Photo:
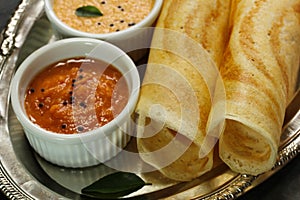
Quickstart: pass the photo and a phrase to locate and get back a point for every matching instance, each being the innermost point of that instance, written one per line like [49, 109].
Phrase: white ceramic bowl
[83, 149]
[137, 37]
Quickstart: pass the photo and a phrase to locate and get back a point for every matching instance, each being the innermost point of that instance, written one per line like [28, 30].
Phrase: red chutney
[76, 95]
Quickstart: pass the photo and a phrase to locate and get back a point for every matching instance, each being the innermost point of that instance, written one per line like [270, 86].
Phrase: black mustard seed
[80, 128]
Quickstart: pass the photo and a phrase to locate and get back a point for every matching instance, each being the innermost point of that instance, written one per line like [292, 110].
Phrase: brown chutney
[117, 15]
[76, 95]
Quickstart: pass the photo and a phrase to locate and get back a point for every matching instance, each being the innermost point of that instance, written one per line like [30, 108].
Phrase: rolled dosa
[175, 99]
[259, 72]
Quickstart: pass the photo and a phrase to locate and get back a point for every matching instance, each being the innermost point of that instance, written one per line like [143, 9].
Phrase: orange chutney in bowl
[117, 15]
[76, 95]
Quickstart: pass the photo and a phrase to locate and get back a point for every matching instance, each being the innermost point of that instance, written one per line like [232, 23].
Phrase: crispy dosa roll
[260, 73]
[175, 100]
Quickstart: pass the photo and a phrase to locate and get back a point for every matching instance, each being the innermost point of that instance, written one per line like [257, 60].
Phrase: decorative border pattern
[11, 190]
[10, 32]
[288, 153]
[236, 188]
[8, 186]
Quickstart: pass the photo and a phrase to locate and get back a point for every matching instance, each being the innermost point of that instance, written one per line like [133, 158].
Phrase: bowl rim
[101, 131]
[150, 18]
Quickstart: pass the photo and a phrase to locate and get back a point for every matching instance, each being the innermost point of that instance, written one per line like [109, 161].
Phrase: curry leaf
[88, 11]
[114, 185]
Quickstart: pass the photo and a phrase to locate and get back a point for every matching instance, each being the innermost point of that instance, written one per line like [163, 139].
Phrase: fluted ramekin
[82, 149]
[133, 40]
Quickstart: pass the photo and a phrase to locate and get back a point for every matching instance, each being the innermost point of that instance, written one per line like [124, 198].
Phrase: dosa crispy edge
[260, 72]
[173, 83]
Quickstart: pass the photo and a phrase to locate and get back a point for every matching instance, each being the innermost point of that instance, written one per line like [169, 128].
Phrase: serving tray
[25, 175]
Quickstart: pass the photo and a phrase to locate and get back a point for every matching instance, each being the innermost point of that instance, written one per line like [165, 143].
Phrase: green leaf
[88, 11]
[114, 185]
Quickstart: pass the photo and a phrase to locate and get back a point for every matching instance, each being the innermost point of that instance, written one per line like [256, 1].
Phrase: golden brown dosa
[260, 73]
[175, 101]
